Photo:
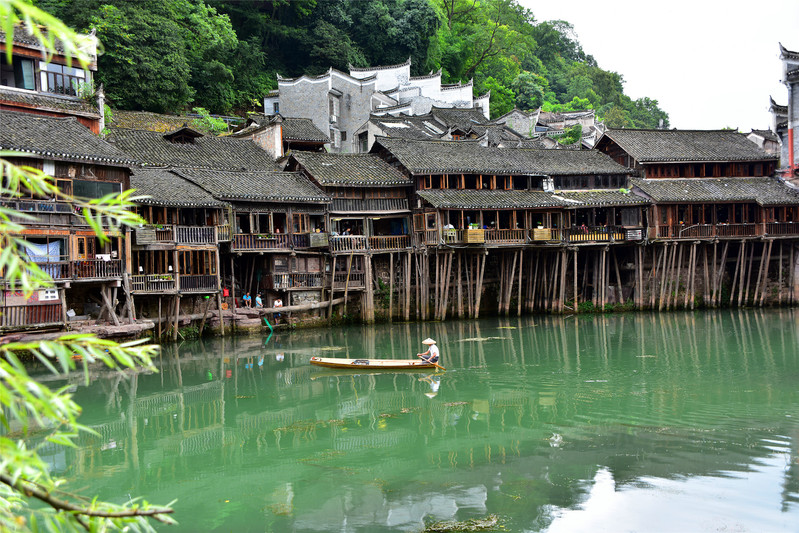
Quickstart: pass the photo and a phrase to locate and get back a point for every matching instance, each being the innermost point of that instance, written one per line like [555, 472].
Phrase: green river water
[627, 422]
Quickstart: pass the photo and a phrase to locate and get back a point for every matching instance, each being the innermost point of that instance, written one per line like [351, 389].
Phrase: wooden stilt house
[89, 273]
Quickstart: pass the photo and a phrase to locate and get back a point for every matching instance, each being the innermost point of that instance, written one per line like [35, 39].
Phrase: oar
[432, 363]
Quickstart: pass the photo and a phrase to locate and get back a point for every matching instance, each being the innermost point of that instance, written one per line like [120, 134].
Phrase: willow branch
[33, 490]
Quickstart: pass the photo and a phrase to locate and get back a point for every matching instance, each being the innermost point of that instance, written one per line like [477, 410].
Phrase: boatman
[431, 355]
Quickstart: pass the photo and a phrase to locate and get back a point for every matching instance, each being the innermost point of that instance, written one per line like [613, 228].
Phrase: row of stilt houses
[412, 230]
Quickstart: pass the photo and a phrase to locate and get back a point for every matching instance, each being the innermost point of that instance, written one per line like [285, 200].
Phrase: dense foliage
[225, 54]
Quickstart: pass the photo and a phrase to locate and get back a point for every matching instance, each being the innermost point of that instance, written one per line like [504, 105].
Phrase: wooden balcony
[154, 234]
[709, 231]
[195, 235]
[505, 236]
[96, 269]
[198, 283]
[348, 243]
[782, 228]
[34, 315]
[153, 283]
[355, 280]
[370, 205]
[224, 233]
[389, 242]
[295, 280]
[245, 242]
[595, 234]
[60, 269]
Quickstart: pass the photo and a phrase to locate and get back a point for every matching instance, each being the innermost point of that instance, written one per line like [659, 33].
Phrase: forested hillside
[170, 55]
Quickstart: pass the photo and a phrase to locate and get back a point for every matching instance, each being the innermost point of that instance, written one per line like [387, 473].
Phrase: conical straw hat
[428, 341]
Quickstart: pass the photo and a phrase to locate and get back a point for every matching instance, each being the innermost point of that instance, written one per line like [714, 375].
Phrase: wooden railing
[96, 269]
[300, 240]
[58, 269]
[389, 242]
[782, 228]
[501, 236]
[595, 234]
[348, 243]
[295, 280]
[20, 316]
[356, 280]
[198, 282]
[152, 283]
[369, 204]
[195, 234]
[224, 233]
[246, 242]
[706, 231]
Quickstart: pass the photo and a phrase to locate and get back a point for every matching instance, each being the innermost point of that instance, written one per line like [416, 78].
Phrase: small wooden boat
[371, 364]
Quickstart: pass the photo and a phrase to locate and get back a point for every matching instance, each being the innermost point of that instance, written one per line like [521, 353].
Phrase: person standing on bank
[432, 353]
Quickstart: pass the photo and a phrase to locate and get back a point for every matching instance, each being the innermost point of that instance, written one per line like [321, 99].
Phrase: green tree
[25, 404]
[529, 90]
[502, 98]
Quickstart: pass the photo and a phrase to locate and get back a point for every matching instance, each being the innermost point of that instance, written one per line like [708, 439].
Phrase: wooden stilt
[765, 273]
[674, 290]
[177, 318]
[519, 294]
[459, 284]
[576, 298]
[743, 294]
[159, 317]
[408, 286]
[736, 275]
[620, 294]
[509, 281]
[347, 282]
[706, 279]
[479, 288]
[720, 276]
[779, 277]
[391, 287]
[218, 307]
[564, 265]
[332, 290]
[534, 282]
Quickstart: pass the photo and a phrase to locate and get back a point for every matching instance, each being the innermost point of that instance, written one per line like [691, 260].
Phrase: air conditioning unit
[333, 119]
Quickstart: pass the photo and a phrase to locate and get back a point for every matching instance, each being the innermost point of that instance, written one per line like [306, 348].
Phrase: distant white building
[340, 103]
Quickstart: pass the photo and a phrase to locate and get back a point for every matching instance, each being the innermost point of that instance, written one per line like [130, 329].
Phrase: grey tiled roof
[21, 36]
[350, 169]
[145, 120]
[442, 157]
[456, 117]
[206, 152]
[302, 129]
[653, 146]
[487, 199]
[600, 197]
[254, 186]
[154, 182]
[405, 127]
[294, 129]
[57, 138]
[48, 102]
[764, 191]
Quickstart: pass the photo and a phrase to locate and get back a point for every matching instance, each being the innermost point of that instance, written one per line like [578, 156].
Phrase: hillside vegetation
[171, 55]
